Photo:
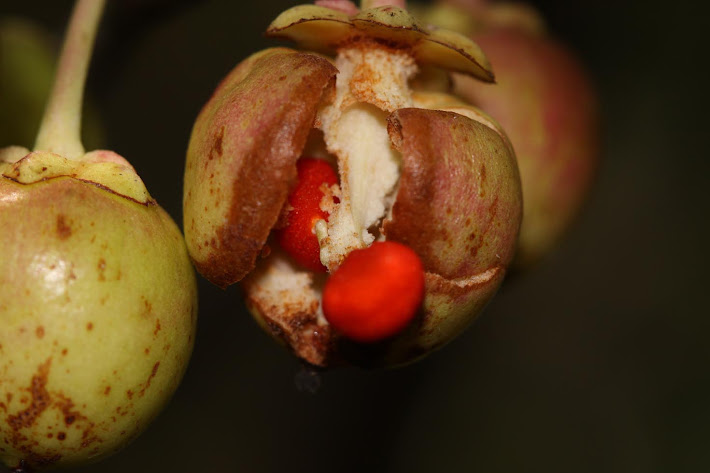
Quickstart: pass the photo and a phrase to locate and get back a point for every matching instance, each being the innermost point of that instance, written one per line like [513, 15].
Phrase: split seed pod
[416, 167]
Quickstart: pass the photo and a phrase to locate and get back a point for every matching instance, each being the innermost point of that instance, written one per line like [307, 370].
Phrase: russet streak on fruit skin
[40, 399]
[25, 419]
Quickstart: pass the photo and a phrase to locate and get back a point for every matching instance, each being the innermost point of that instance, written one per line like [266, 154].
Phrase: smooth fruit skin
[375, 293]
[546, 104]
[97, 319]
[298, 238]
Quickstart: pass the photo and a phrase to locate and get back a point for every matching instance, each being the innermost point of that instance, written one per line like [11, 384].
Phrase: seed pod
[416, 167]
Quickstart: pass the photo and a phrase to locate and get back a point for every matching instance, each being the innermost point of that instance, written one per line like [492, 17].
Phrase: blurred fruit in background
[545, 102]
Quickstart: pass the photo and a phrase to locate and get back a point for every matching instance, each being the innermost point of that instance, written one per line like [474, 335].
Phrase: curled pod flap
[242, 156]
[458, 203]
[325, 30]
[459, 207]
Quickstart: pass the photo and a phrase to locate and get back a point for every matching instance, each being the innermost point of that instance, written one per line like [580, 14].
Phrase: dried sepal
[325, 30]
[313, 27]
[104, 169]
[454, 52]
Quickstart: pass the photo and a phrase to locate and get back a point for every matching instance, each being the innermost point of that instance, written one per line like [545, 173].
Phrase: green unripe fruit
[97, 311]
[98, 297]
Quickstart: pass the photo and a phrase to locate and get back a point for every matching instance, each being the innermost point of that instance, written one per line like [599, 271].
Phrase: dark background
[595, 361]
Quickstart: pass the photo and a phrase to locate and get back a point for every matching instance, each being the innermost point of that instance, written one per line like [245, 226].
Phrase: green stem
[366, 4]
[60, 131]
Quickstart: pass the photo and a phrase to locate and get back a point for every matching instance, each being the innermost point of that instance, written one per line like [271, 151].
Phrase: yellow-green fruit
[97, 308]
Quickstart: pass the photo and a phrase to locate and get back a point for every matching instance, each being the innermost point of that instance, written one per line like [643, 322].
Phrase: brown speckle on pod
[63, 228]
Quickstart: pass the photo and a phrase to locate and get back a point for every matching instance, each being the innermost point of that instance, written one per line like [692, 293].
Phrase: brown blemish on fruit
[64, 351]
[216, 151]
[39, 331]
[102, 267]
[157, 327]
[129, 394]
[64, 231]
[107, 390]
[89, 326]
[61, 436]
[150, 378]
[40, 400]
[146, 351]
[39, 461]
[66, 406]
[88, 436]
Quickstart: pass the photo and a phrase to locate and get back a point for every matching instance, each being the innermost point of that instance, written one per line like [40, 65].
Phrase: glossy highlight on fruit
[98, 299]
[415, 166]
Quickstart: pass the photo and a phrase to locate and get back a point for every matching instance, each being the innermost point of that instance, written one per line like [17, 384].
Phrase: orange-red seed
[298, 237]
[375, 293]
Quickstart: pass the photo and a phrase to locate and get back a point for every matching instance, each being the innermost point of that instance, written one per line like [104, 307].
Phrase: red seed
[375, 293]
[298, 237]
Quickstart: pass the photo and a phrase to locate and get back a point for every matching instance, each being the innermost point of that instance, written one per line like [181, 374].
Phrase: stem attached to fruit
[60, 131]
[365, 4]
